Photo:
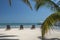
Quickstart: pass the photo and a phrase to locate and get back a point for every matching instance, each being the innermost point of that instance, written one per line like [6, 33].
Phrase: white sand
[27, 34]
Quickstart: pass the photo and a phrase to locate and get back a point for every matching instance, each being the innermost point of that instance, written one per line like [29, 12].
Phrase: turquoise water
[25, 25]
[17, 25]
[20, 23]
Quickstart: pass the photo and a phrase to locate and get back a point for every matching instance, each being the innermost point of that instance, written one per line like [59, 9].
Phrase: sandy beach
[27, 34]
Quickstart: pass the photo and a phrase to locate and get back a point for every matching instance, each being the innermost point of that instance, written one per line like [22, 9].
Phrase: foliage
[10, 2]
[49, 22]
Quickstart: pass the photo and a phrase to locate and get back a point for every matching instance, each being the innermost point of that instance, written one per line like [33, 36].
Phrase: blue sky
[21, 13]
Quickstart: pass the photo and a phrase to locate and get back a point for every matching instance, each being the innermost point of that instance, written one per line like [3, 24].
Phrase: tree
[39, 3]
[47, 24]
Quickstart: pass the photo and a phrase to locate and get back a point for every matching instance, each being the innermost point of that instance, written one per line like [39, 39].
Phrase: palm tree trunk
[43, 36]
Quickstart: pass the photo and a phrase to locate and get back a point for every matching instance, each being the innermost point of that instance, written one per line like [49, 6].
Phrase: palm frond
[49, 22]
[10, 2]
[58, 3]
[54, 5]
[39, 3]
[28, 3]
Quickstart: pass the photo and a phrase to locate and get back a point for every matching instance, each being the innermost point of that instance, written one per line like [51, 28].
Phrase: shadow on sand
[5, 37]
[49, 39]
[9, 39]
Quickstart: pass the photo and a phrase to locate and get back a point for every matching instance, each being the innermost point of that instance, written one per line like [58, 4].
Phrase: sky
[19, 12]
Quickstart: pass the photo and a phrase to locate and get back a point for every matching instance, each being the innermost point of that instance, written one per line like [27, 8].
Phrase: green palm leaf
[49, 22]
[39, 3]
[55, 5]
[28, 3]
[10, 2]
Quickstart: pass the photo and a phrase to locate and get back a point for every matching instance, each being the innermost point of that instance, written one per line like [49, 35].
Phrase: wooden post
[21, 27]
[33, 27]
[8, 27]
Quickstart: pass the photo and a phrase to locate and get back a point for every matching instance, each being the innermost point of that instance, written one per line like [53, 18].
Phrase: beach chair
[8, 27]
[21, 27]
[33, 27]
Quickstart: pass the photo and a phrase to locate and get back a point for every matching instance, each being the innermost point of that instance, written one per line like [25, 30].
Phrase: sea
[26, 25]
[17, 25]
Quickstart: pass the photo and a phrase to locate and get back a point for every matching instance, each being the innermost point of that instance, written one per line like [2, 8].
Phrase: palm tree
[47, 24]
[25, 1]
[39, 3]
